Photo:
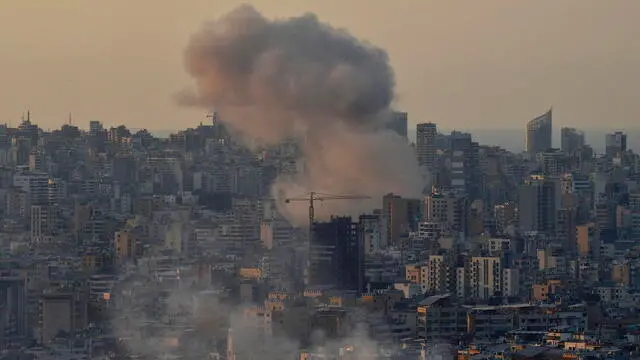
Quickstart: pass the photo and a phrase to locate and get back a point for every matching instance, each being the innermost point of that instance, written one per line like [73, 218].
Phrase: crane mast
[312, 196]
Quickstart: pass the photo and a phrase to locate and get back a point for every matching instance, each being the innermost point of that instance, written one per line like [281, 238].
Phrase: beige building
[485, 277]
[586, 238]
[541, 292]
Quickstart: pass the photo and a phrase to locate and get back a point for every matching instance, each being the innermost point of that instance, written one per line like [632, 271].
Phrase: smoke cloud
[299, 78]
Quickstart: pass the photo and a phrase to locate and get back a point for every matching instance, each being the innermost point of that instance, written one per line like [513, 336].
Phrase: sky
[461, 64]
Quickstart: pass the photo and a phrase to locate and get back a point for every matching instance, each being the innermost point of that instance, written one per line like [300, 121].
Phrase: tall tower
[616, 144]
[538, 201]
[539, 133]
[336, 255]
[426, 144]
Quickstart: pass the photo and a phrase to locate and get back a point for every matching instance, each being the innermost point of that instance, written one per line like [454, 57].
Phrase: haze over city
[465, 65]
[211, 180]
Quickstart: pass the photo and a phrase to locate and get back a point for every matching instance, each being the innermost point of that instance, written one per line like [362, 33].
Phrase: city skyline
[308, 201]
[491, 62]
[511, 139]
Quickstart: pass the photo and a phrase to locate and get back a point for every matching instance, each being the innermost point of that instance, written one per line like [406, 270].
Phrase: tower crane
[312, 196]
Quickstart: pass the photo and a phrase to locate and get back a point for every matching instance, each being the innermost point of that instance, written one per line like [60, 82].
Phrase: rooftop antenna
[70, 121]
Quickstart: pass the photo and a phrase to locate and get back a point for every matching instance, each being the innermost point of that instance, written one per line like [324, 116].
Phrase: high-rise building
[28, 130]
[571, 140]
[539, 133]
[435, 278]
[566, 228]
[616, 144]
[446, 209]
[371, 231]
[510, 282]
[35, 184]
[124, 168]
[463, 154]
[42, 222]
[426, 144]
[505, 215]
[336, 255]
[400, 216]
[485, 277]
[95, 128]
[538, 201]
[553, 163]
[587, 239]
[38, 160]
[56, 191]
[398, 123]
[13, 301]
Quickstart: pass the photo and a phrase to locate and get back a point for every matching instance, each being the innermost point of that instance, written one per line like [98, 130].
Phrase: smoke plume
[299, 78]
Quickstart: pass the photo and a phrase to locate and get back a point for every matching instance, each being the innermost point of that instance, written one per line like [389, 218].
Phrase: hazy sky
[459, 63]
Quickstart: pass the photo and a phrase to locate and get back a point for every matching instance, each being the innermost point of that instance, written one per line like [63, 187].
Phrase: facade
[337, 255]
[61, 312]
[486, 277]
[463, 155]
[538, 202]
[539, 133]
[616, 144]
[571, 139]
[435, 277]
[446, 209]
[426, 144]
[370, 226]
[400, 217]
[13, 299]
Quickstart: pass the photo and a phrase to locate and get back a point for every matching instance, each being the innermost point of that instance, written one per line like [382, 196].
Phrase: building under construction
[336, 255]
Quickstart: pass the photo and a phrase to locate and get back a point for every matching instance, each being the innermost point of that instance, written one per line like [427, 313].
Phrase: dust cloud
[299, 78]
